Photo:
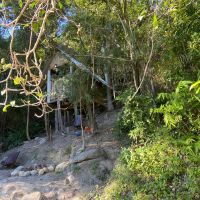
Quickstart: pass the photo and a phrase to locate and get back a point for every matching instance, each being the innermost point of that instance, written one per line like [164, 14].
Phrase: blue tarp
[77, 120]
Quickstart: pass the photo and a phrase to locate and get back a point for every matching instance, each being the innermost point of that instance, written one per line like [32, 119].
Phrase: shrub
[163, 160]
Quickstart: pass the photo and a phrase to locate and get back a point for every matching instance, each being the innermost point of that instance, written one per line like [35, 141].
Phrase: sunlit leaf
[155, 21]
[32, 5]
[39, 94]
[35, 27]
[60, 5]
[6, 107]
[7, 66]
[20, 3]
[17, 80]
[3, 92]
[12, 103]
[195, 85]
[3, 61]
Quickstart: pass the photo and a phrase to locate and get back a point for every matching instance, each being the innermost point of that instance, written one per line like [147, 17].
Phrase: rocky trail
[59, 169]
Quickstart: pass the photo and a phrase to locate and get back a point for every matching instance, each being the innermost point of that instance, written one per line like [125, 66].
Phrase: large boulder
[87, 155]
[61, 167]
[11, 159]
[34, 196]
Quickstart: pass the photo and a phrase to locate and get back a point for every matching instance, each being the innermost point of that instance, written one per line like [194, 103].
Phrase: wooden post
[56, 121]
[49, 86]
[68, 118]
[60, 121]
[27, 122]
[64, 119]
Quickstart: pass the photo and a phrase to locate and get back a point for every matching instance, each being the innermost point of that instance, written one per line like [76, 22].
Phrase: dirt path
[90, 168]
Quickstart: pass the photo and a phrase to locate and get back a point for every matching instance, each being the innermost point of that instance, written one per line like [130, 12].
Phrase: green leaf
[35, 27]
[17, 80]
[39, 94]
[32, 5]
[3, 61]
[7, 66]
[5, 108]
[42, 12]
[20, 3]
[155, 21]
[195, 85]
[60, 5]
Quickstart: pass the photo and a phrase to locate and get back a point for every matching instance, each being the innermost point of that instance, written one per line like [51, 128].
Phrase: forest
[60, 59]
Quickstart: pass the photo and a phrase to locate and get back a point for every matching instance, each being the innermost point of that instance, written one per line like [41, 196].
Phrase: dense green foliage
[163, 160]
[148, 52]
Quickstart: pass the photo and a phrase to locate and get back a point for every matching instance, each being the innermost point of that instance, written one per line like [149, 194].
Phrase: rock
[70, 179]
[45, 169]
[41, 172]
[50, 168]
[106, 164]
[17, 195]
[34, 196]
[112, 153]
[22, 173]
[87, 155]
[61, 167]
[42, 141]
[16, 171]
[67, 181]
[34, 172]
[11, 159]
[51, 195]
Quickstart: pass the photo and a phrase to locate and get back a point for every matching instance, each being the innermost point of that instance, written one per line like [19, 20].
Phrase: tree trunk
[75, 109]
[56, 121]
[64, 119]
[91, 116]
[137, 75]
[47, 127]
[82, 131]
[27, 123]
[60, 121]
[108, 90]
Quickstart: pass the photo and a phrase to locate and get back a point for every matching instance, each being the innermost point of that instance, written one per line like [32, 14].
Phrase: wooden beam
[84, 68]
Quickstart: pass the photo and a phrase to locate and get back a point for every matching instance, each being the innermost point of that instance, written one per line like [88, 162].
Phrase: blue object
[77, 133]
[77, 121]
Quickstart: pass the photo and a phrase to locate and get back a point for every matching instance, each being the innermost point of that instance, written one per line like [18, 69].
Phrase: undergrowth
[163, 159]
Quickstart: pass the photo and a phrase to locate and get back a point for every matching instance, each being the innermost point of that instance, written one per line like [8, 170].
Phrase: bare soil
[86, 175]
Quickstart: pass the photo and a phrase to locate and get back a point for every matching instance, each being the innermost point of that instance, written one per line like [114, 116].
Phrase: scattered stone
[22, 173]
[45, 169]
[51, 168]
[41, 172]
[61, 167]
[17, 195]
[34, 172]
[51, 196]
[42, 141]
[34, 196]
[16, 171]
[69, 179]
